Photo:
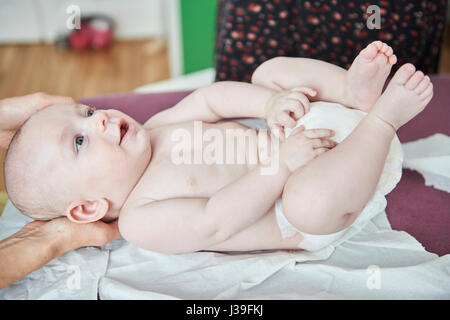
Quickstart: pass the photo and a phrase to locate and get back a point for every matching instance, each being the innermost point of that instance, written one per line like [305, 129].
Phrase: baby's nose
[101, 119]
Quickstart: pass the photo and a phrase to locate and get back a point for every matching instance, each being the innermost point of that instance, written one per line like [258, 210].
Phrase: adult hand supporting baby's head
[16, 110]
[67, 235]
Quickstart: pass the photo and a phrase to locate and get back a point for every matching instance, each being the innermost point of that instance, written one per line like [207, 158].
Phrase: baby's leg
[328, 194]
[358, 88]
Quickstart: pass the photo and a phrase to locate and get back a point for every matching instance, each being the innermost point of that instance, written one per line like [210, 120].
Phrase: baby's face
[93, 153]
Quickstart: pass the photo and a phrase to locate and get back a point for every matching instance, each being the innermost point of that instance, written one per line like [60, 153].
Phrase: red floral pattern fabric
[251, 32]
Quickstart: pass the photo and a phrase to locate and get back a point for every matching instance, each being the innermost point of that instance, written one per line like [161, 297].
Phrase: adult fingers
[60, 100]
[112, 231]
[318, 133]
[43, 100]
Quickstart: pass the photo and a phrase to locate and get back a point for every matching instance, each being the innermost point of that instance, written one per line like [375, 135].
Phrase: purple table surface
[422, 211]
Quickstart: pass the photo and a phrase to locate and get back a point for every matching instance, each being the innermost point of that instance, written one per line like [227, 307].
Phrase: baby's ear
[85, 211]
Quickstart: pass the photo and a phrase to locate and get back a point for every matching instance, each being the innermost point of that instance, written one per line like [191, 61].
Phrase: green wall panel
[198, 23]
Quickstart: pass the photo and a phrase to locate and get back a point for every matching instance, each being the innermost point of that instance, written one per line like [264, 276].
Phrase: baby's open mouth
[123, 130]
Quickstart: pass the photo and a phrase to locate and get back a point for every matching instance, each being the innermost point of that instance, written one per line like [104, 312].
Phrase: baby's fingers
[319, 151]
[324, 143]
[293, 106]
[297, 130]
[278, 132]
[302, 99]
[285, 120]
[305, 90]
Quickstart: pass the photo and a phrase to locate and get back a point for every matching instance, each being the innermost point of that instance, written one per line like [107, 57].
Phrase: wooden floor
[120, 68]
[41, 67]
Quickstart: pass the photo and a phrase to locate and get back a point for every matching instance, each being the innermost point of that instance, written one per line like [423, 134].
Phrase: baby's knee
[309, 215]
[301, 214]
[264, 73]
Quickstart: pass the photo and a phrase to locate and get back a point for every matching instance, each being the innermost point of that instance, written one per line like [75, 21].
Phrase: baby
[86, 164]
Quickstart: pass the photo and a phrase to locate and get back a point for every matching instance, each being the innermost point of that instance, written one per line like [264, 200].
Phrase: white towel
[431, 157]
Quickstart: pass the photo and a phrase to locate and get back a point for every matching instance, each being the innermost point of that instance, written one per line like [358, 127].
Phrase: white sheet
[431, 157]
[404, 270]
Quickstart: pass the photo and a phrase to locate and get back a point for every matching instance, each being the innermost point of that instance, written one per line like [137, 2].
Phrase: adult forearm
[243, 202]
[22, 254]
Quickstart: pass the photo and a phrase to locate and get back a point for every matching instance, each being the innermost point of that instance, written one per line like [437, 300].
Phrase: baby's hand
[285, 108]
[304, 145]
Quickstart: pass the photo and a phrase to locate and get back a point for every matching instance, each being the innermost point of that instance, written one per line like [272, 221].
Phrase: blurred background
[153, 40]
[119, 45]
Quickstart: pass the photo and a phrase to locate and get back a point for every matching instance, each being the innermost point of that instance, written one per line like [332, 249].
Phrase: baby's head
[70, 160]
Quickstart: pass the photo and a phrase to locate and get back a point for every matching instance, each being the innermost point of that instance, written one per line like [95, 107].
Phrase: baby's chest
[186, 163]
[194, 180]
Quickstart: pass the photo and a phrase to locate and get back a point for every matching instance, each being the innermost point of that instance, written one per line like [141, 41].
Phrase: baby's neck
[116, 206]
[111, 216]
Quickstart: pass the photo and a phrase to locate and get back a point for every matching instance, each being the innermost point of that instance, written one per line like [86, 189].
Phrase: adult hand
[15, 111]
[96, 233]
[68, 235]
[38, 242]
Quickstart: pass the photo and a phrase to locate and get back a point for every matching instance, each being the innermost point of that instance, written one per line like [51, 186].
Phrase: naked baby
[86, 164]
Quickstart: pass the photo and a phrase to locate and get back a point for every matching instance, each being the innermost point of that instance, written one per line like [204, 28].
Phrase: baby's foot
[406, 96]
[368, 73]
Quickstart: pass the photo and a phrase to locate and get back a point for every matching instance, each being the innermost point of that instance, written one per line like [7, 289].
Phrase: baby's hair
[15, 182]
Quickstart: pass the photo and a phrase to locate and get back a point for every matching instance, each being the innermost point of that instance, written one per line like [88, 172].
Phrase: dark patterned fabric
[250, 32]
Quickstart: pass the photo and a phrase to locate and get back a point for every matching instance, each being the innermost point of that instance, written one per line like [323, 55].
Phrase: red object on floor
[95, 33]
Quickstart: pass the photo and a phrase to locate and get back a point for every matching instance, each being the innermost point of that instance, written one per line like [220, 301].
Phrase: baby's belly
[264, 233]
[201, 169]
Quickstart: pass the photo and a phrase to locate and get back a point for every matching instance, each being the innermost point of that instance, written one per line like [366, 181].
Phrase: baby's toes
[392, 59]
[381, 60]
[427, 94]
[378, 44]
[370, 51]
[404, 73]
[384, 48]
[422, 86]
[414, 80]
[389, 51]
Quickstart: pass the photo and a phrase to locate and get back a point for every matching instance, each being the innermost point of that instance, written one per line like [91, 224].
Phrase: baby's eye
[78, 142]
[90, 112]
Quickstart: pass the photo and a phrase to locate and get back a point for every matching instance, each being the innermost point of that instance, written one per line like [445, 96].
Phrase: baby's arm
[284, 73]
[220, 100]
[188, 225]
